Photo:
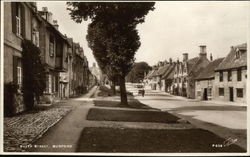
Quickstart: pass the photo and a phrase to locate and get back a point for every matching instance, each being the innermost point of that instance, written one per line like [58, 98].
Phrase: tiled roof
[170, 72]
[208, 72]
[231, 61]
[191, 63]
[162, 70]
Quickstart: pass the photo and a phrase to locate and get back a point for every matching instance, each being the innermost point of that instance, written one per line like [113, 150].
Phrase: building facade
[66, 65]
[204, 84]
[231, 76]
[186, 71]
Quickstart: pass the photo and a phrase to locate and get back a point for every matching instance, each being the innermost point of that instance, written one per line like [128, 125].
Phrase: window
[239, 75]
[221, 76]
[221, 91]
[19, 72]
[237, 54]
[18, 18]
[48, 83]
[198, 93]
[229, 75]
[35, 38]
[239, 92]
[51, 46]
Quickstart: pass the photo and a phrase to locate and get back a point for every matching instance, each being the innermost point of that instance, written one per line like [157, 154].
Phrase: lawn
[150, 140]
[130, 116]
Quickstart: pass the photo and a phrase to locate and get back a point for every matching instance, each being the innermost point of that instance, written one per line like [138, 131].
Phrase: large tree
[112, 34]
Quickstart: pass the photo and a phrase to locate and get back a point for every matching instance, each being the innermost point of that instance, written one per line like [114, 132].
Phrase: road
[228, 121]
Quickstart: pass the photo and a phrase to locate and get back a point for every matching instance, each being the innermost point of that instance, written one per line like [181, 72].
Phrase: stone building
[186, 71]
[96, 71]
[18, 25]
[66, 66]
[54, 48]
[231, 76]
[205, 81]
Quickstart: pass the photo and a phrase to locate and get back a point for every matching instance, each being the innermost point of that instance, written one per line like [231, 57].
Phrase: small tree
[112, 34]
[34, 73]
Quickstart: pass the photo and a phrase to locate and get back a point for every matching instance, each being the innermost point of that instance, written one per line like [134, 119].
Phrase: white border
[114, 154]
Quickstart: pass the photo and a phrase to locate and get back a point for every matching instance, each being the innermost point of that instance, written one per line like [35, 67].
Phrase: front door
[205, 94]
[231, 93]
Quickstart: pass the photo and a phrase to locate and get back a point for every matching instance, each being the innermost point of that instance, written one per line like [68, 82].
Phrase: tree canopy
[112, 34]
[138, 71]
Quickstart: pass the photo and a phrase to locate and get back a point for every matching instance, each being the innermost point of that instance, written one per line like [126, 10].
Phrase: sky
[173, 28]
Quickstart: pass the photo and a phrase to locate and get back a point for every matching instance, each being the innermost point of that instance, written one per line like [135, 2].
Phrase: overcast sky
[173, 28]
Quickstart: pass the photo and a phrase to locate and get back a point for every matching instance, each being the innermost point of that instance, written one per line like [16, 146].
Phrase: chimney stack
[44, 9]
[170, 60]
[185, 57]
[178, 61]
[55, 24]
[211, 57]
[203, 51]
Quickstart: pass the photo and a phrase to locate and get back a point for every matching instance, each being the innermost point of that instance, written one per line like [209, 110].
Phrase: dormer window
[237, 54]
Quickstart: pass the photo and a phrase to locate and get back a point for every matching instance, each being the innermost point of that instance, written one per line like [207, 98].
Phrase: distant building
[231, 76]
[167, 78]
[204, 84]
[186, 71]
[96, 71]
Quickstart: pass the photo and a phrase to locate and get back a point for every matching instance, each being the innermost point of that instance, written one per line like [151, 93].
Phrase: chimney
[170, 60]
[55, 24]
[185, 57]
[203, 51]
[44, 9]
[49, 18]
[211, 57]
[178, 61]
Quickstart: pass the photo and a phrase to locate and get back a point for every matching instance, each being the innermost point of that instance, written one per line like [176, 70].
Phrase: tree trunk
[124, 100]
[113, 88]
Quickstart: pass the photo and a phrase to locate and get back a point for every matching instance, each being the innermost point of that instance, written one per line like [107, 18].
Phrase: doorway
[231, 94]
[205, 94]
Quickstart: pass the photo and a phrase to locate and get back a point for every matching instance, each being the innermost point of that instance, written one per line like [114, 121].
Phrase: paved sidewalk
[64, 135]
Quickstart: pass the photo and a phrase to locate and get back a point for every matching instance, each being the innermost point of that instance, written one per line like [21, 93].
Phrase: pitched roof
[162, 70]
[191, 63]
[209, 72]
[150, 74]
[170, 72]
[231, 61]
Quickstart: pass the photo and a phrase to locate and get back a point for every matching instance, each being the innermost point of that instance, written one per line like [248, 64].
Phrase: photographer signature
[226, 143]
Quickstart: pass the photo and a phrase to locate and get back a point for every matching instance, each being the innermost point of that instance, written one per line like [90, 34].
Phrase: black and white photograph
[153, 78]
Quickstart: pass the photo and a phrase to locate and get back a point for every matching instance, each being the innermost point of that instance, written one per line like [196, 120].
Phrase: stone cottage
[205, 81]
[231, 76]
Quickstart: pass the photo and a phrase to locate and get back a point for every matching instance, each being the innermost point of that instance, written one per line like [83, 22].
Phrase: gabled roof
[231, 61]
[209, 72]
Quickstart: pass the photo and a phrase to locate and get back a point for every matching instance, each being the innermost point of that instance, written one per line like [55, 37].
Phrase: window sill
[19, 36]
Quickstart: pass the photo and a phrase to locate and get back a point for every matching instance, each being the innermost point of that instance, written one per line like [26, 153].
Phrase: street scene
[116, 77]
